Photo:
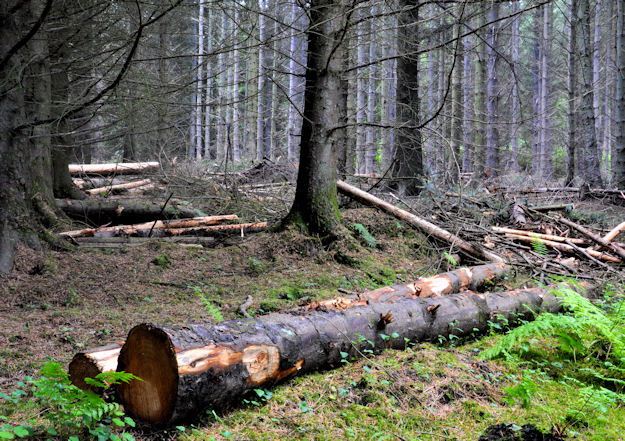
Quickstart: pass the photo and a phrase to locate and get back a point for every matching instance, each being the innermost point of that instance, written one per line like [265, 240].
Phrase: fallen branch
[594, 237]
[188, 368]
[537, 235]
[566, 248]
[117, 187]
[614, 232]
[242, 309]
[586, 254]
[121, 168]
[418, 222]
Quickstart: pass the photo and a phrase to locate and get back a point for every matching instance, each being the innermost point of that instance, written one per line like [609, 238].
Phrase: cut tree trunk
[117, 187]
[123, 230]
[104, 212]
[92, 362]
[441, 284]
[92, 182]
[420, 223]
[121, 168]
[130, 230]
[188, 368]
[126, 242]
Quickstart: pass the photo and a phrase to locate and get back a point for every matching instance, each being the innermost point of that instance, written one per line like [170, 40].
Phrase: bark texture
[188, 368]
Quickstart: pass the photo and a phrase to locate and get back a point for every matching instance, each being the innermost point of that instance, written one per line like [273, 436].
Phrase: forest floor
[58, 303]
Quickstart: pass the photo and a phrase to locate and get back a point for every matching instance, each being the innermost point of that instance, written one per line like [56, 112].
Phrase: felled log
[188, 368]
[92, 362]
[462, 279]
[143, 229]
[420, 223]
[104, 212]
[566, 248]
[551, 237]
[126, 242]
[118, 187]
[93, 182]
[614, 232]
[121, 168]
[608, 245]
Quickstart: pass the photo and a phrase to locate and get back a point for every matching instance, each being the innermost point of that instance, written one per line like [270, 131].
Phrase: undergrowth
[50, 406]
[582, 349]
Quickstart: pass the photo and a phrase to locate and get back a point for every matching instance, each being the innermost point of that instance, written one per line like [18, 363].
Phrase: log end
[149, 354]
[81, 367]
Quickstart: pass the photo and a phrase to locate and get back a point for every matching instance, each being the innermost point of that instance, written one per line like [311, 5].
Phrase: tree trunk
[513, 157]
[491, 163]
[619, 144]
[26, 199]
[480, 98]
[315, 205]
[261, 149]
[546, 147]
[593, 171]
[370, 137]
[199, 85]
[119, 168]
[360, 97]
[101, 213]
[457, 103]
[292, 135]
[408, 159]
[572, 94]
[186, 369]
[208, 88]
[468, 99]
[536, 105]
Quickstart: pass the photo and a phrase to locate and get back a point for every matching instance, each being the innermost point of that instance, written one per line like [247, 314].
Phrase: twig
[588, 256]
[249, 301]
[160, 214]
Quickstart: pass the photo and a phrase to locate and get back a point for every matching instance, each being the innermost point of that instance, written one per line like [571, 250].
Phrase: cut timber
[566, 248]
[462, 279]
[126, 242]
[538, 235]
[87, 183]
[104, 212]
[415, 221]
[186, 369]
[121, 168]
[92, 362]
[118, 187]
[140, 229]
[594, 237]
[217, 230]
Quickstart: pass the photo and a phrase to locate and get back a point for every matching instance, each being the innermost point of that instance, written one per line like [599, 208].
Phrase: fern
[586, 328]
[538, 245]
[364, 234]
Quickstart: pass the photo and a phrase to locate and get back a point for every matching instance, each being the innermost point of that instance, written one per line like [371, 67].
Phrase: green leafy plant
[53, 407]
[450, 259]
[364, 234]
[213, 310]
[538, 245]
[162, 260]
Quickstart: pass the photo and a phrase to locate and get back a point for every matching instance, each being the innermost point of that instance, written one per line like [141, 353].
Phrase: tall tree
[408, 158]
[618, 168]
[491, 162]
[591, 153]
[315, 205]
[572, 94]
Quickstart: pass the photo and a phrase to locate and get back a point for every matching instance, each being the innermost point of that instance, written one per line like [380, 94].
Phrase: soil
[58, 303]
[513, 432]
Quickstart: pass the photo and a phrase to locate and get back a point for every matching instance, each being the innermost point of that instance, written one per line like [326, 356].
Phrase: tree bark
[186, 369]
[100, 213]
[619, 144]
[163, 230]
[408, 158]
[572, 94]
[120, 168]
[26, 199]
[593, 171]
[491, 163]
[315, 205]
